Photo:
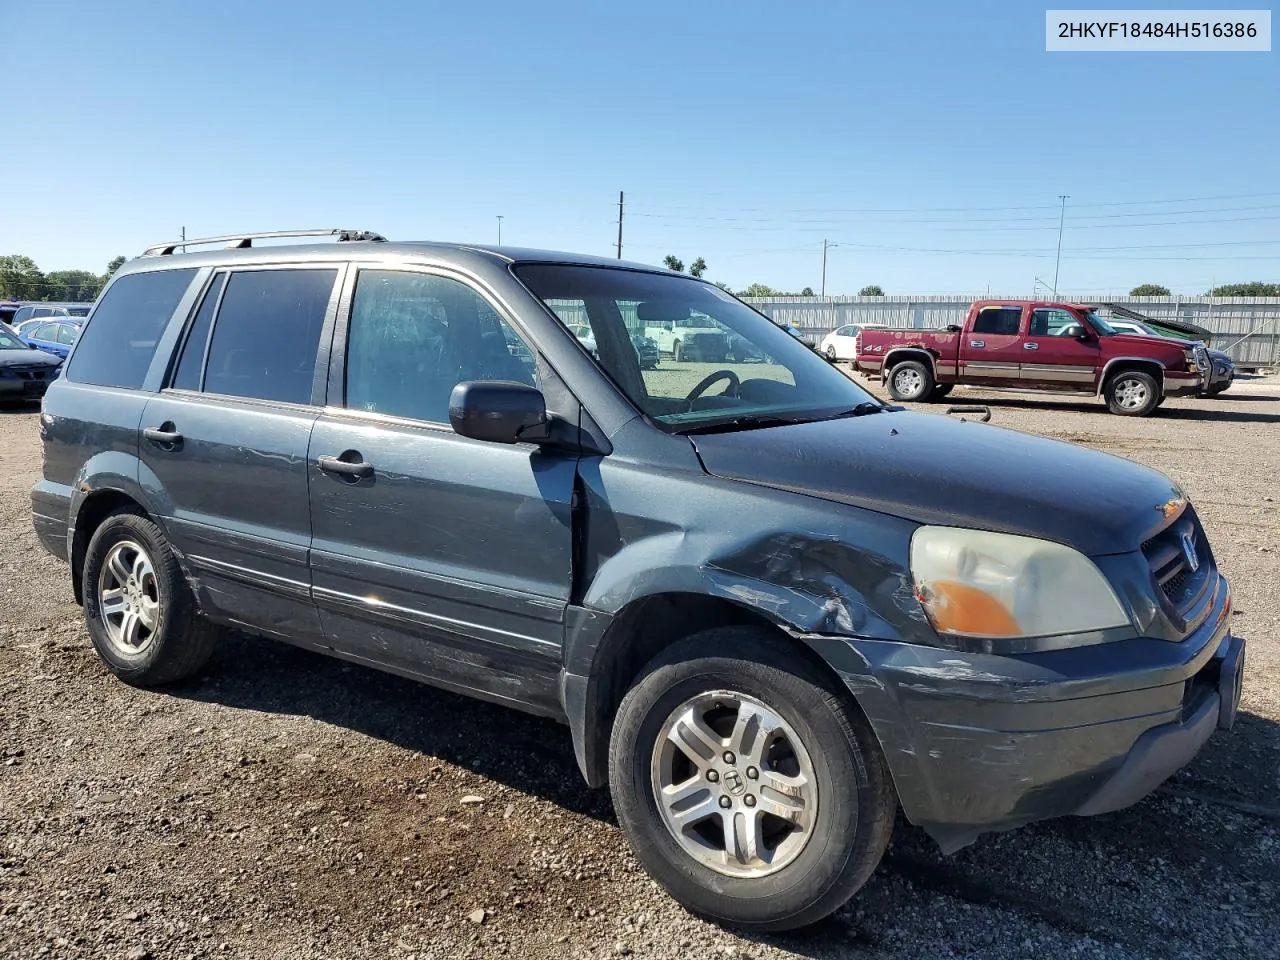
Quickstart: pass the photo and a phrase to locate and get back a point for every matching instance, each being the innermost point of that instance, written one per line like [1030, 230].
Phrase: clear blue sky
[741, 132]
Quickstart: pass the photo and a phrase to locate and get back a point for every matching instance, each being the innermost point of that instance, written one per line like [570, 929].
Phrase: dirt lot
[290, 806]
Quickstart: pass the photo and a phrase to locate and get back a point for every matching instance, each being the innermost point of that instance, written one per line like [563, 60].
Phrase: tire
[677, 352]
[910, 381]
[815, 869]
[178, 642]
[831, 355]
[940, 391]
[1132, 393]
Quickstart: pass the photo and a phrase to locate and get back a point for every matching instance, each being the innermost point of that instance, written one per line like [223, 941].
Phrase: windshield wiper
[751, 422]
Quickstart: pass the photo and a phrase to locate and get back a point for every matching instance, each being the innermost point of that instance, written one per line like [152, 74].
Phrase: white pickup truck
[696, 338]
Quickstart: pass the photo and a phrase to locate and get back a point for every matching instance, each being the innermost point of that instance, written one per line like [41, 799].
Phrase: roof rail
[242, 240]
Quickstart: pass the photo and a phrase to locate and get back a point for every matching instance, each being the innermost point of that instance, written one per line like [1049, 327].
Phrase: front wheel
[831, 354]
[910, 381]
[750, 786]
[1132, 393]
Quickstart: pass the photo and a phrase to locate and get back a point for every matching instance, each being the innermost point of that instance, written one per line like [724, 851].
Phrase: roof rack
[239, 241]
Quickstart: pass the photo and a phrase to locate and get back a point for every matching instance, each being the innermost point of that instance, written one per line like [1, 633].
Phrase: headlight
[978, 584]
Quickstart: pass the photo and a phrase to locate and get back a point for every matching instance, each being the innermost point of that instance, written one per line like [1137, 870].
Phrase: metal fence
[1247, 328]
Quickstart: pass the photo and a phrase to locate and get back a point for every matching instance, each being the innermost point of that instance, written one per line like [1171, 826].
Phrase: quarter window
[998, 320]
[413, 337]
[266, 334]
[191, 363]
[117, 344]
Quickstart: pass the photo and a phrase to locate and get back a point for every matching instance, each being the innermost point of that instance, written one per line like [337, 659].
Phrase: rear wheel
[138, 607]
[831, 354]
[750, 788]
[1132, 393]
[910, 381]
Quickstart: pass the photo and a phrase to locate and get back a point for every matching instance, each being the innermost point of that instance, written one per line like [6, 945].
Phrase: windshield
[1101, 325]
[720, 364]
[9, 340]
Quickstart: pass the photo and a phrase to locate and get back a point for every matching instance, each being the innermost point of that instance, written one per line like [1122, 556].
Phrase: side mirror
[954, 328]
[500, 411]
[1077, 331]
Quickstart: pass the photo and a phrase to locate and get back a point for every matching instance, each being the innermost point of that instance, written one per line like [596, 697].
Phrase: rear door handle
[164, 435]
[977, 343]
[354, 468]
[1031, 346]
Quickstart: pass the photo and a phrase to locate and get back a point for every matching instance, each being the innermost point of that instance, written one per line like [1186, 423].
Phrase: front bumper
[1183, 384]
[979, 742]
[14, 388]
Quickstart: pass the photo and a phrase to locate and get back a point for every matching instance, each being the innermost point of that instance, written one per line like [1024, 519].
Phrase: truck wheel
[677, 352]
[139, 610]
[750, 787]
[1132, 393]
[910, 381]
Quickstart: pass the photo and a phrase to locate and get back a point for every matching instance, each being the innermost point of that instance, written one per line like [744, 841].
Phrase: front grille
[29, 373]
[1180, 561]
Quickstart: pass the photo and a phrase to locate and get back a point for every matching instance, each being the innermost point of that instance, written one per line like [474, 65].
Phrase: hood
[1140, 338]
[28, 358]
[935, 469]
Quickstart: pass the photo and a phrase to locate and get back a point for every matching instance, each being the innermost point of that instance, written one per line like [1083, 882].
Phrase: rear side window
[117, 345]
[66, 334]
[266, 334]
[999, 320]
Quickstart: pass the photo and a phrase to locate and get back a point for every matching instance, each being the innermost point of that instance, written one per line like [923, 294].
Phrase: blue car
[52, 336]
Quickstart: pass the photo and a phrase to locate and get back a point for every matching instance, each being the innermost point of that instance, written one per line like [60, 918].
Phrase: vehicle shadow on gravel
[12, 408]
[1219, 413]
[1205, 832]
[526, 753]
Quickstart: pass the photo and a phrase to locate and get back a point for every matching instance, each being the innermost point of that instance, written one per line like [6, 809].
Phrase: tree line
[21, 279]
[699, 267]
[1256, 288]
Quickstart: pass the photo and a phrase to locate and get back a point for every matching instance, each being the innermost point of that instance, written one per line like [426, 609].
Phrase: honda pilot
[770, 609]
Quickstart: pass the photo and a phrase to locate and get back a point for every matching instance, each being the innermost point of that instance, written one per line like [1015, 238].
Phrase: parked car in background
[38, 311]
[647, 350]
[684, 337]
[1223, 372]
[584, 335]
[770, 609]
[842, 342]
[1035, 345]
[25, 371]
[52, 336]
[7, 309]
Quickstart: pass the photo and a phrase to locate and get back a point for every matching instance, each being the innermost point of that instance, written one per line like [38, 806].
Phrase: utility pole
[619, 224]
[825, 245]
[499, 229]
[1062, 213]
[184, 239]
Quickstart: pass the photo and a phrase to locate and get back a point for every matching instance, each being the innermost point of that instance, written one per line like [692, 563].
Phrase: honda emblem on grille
[1189, 551]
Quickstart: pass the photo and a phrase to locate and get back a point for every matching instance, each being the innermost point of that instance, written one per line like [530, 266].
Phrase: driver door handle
[1030, 346]
[977, 343]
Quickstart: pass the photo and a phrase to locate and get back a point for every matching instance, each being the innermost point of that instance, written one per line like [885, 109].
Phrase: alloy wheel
[734, 784]
[129, 598]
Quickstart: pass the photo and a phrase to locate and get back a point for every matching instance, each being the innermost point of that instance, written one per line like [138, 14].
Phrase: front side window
[1052, 322]
[731, 367]
[118, 343]
[43, 331]
[266, 334]
[9, 341]
[998, 320]
[413, 337]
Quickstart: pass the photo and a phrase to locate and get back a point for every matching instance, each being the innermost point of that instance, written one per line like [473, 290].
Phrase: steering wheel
[708, 380]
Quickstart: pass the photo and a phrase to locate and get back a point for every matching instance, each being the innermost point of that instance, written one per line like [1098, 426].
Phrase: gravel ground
[290, 806]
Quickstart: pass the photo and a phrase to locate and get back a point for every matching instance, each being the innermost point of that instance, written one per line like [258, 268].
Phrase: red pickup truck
[1035, 345]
